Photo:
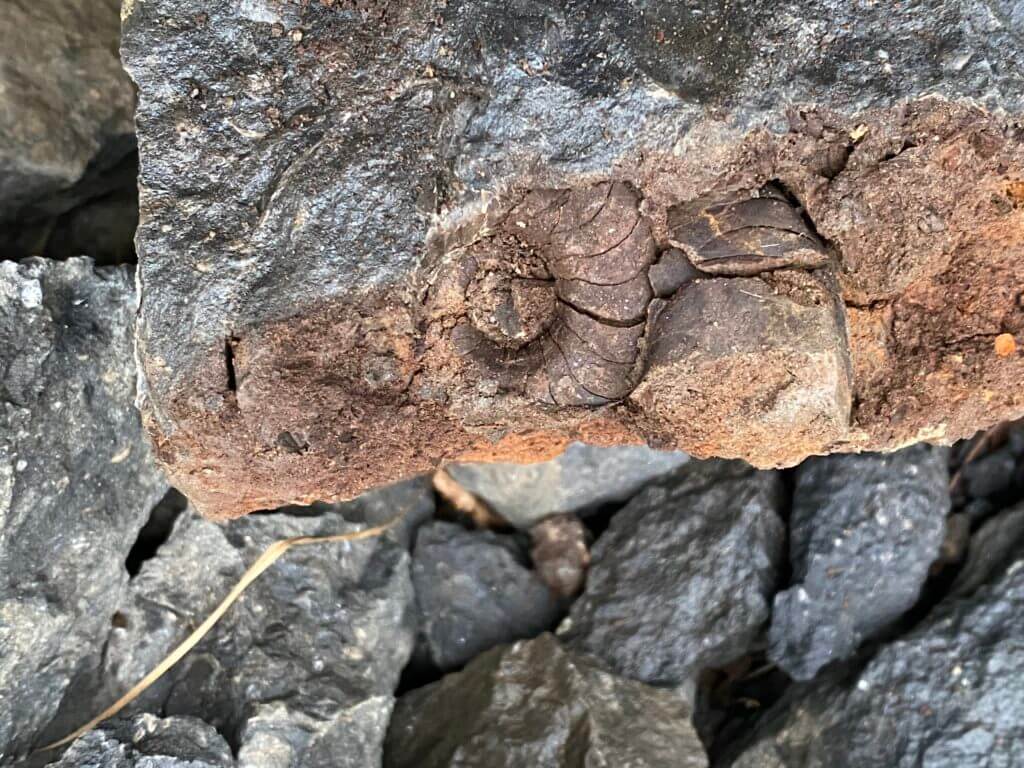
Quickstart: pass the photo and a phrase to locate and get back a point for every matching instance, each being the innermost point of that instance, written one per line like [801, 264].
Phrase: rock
[560, 554]
[146, 741]
[77, 479]
[66, 105]
[945, 695]
[303, 668]
[475, 244]
[534, 703]
[474, 590]
[992, 474]
[863, 533]
[683, 577]
[581, 479]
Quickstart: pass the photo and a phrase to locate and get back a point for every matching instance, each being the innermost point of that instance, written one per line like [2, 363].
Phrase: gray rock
[581, 479]
[474, 590]
[863, 533]
[77, 479]
[683, 577]
[992, 474]
[301, 670]
[536, 704]
[147, 741]
[66, 105]
[944, 696]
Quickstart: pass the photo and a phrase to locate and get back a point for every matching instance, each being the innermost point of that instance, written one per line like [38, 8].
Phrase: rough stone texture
[581, 479]
[946, 695]
[465, 205]
[301, 671]
[474, 590]
[683, 577]
[863, 533]
[66, 105]
[146, 741]
[77, 479]
[534, 703]
[560, 553]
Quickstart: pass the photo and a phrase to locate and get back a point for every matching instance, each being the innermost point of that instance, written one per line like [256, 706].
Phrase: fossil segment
[745, 233]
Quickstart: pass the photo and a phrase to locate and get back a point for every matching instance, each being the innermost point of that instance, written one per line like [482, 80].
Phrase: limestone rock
[534, 703]
[946, 695]
[683, 577]
[864, 532]
[348, 284]
[77, 479]
[474, 590]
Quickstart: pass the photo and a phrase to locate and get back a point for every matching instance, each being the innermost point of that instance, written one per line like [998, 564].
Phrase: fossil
[745, 233]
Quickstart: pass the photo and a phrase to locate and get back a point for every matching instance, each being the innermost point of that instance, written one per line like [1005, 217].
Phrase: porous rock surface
[581, 479]
[863, 533]
[302, 670]
[475, 590]
[77, 478]
[945, 695]
[380, 236]
[66, 105]
[146, 741]
[535, 703]
[683, 577]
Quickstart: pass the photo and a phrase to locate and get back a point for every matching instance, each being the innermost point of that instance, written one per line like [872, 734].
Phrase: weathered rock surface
[559, 549]
[77, 479]
[301, 671]
[683, 577]
[863, 533]
[946, 695]
[146, 741]
[475, 590]
[349, 282]
[534, 703]
[66, 105]
[581, 479]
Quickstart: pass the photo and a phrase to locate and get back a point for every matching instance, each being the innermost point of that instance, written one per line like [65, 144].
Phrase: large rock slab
[683, 577]
[470, 258]
[946, 695]
[66, 105]
[77, 478]
[475, 590]
[863, 533]
[534, 703]
[302, 670]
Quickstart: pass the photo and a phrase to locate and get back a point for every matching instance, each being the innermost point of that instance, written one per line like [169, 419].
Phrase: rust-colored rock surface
[375, 241]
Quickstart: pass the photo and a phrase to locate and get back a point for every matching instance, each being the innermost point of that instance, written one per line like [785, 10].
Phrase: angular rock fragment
[302, 669]
[467, 253]
[66, 105]
[682, 579]
[946, 695]
[751, 368]
[864, 531]
[534, 703]
[474, 591]
[146, 741]
[77, 479]
[580, 479]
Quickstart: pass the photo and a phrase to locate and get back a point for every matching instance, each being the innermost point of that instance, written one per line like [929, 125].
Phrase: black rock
[474, 590]
[302, 670]
[947, 695]
[146, 741]
[66, 106]
[77, 479]
[535, 704]
[683, 577]
[992, 474]
[863, 533]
